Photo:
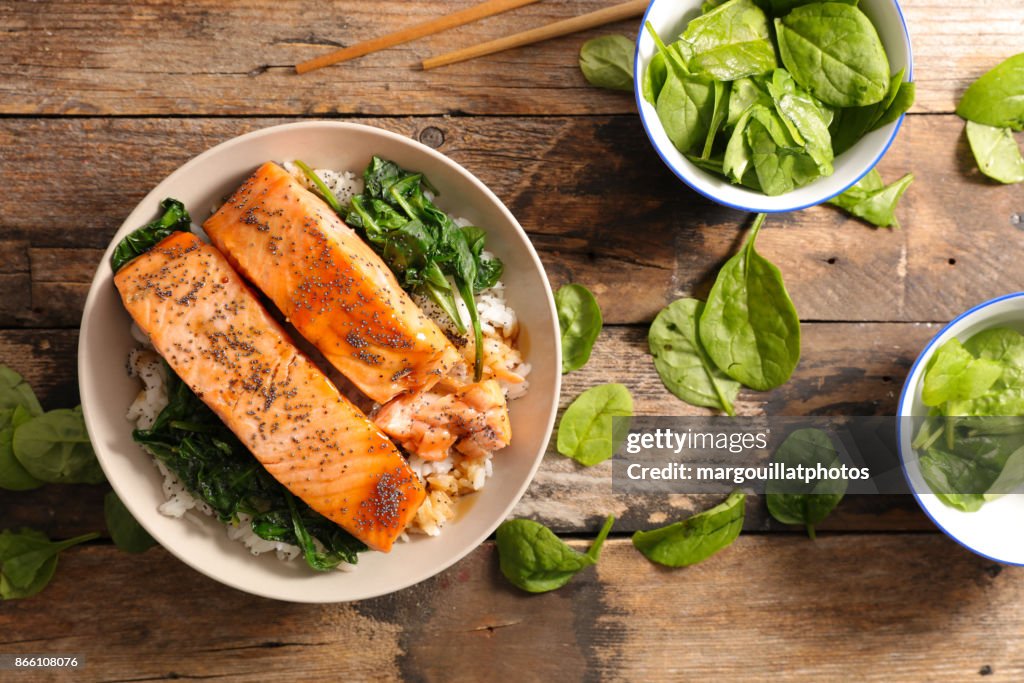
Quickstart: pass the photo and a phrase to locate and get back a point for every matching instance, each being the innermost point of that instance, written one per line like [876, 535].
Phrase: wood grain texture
[625, 227]
[130, 58]
[879, 608]
[847, 369]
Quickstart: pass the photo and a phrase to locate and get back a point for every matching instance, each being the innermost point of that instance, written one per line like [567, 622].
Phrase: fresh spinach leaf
[174, 218]
[685, 107]
[534, 559]
[718, 115]
[694, 539]
[681, 361]
[28, 560]
[579, 319]
[729, 42]
[834, 52]
[804, 117]
[14, 392]
[127, 534]
[873, 201]
[749, 327]
[13, 476]
[996, 151]
[654, 78]
[607, 62]
[812, 501]
[54, 448]
[780, 166]
[900, 104]
[853, 123]
[997, 98]
[587, 432]
[957, 482]
[953, 374]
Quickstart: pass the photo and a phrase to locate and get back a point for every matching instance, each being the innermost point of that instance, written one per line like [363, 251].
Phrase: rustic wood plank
[847, 369]
[843, 607]
[123, 58]
[625, 226]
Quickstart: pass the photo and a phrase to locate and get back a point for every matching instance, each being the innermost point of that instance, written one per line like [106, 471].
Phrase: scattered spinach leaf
[834, 51]
[607, 62]
[14, 392]
[681, 361]
[749, 326]
[534, 559]
[997, 98]
[127, 534]
[13, 476]
[812, 501]
[174, 218]
[694, 539]
[996, 151]
[28, 560]
[872, 200]
[54, 448]
[579, 319]
[587, 432]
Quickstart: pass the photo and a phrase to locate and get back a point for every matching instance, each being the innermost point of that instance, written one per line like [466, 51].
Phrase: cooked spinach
[814, 500]
[174, 218]
[681, 361]
[971, 445]
[422, 244]
[127, 534]
[731, 41]
[996, 151]
[696, 538]
[607, 62]
[579, 319]
[217, 468]
[28, 560]
[834, 51]
[872, 200]
[749, 326]
[54, 448]
[587, 432]
[534, 559]
[997, 98]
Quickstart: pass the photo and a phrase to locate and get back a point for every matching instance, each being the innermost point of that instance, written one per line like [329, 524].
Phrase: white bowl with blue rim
[995, 531]
[670, 17]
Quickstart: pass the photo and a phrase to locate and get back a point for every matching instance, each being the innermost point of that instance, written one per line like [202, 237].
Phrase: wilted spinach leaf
[173, 219]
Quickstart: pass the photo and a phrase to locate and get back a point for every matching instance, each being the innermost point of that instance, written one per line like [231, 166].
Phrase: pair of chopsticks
[626, 10]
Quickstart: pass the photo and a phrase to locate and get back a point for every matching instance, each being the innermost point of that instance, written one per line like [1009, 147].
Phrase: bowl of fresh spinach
[772, 105]
[961, 429]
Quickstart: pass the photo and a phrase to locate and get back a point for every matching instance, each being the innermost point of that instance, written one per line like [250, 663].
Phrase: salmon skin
[214, 333]
[330, 285]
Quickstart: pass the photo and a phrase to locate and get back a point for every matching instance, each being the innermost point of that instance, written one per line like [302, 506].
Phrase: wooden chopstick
[468, 15]
[626, 10]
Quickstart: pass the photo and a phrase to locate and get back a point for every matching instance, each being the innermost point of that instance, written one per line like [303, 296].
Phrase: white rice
[445, 480]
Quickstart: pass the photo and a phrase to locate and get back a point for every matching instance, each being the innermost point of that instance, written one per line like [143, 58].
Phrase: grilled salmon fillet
[330, 284]
[214, 333]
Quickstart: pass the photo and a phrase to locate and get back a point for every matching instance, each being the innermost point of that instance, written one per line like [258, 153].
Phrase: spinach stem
[595, 550]
[321, 188]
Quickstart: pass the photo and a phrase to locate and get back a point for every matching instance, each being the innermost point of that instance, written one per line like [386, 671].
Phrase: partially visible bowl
[107, 391]
[670, 17]
[994, 531]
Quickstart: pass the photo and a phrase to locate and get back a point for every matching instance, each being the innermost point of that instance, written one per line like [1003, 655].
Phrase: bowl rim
[104, 276]
[683, 175]
[904, 411]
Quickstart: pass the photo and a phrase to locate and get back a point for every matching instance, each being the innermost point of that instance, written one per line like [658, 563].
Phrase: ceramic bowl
[107, 391]
[670, 17]
[994, 530]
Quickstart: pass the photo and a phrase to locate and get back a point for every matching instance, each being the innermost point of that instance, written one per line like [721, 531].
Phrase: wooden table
[101, 99]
